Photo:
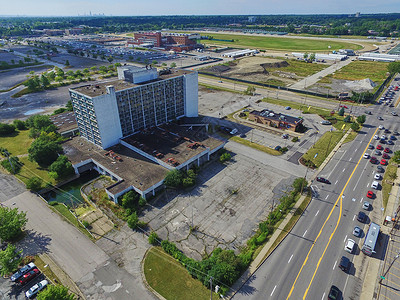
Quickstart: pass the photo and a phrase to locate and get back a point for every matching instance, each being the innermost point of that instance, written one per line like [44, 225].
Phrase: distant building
[74, 31]
[348, 52]
[169, 41]
[277, 120]
[53, 32]
[141, 98]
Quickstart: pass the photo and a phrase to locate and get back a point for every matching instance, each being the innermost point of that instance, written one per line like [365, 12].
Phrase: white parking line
[350, 158]
[317, 213]
[323, 297]
[336, 181]
[354, 217]
[290, 259]
[345, 239]
[304, 233]
[368, 185]
[326, 197]
[273, 291]
[361, 200]
[334, 265]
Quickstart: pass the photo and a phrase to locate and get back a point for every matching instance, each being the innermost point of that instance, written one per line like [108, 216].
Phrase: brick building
[276, 120]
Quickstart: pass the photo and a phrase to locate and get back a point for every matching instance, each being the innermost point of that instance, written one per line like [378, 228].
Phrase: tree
[62, 167]
[44, 151]
[11, 223]
[133, 220]
[347, 119]
[153, 238]
[394, 67]
[6, 129]
[361, 119]
[250, 90]
[44, 80]
[355, 126]
[173, 178]
[224, 157]
[10, 258]
[34, 184]
[305, 56]
[19, 124]
[312, 56]
[55, 292]
[396, 157]
[110, 59]
[129, 200]
[341, 112]
[67, 63]
[173, 65]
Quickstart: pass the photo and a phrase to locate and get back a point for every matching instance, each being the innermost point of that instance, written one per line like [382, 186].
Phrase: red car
[383, 162]
[343, 106]
[385, 156]
[387, 150]
[28, 276]
[373, 160]
[370, 194]
[379, 147]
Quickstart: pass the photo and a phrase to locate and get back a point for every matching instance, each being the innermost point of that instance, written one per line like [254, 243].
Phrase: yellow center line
[323, 226]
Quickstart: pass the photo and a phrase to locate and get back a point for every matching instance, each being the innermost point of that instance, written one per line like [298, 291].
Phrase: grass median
[170, 279]
[388, 177]
[255, 146]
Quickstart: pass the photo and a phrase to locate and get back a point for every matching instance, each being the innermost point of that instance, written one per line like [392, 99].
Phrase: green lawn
[391, 171]
[279, 43]
[357, 70]
[170, 279]
[323, 147]
[31, 169]
[300, 68]
[255, 146]
[17, 144]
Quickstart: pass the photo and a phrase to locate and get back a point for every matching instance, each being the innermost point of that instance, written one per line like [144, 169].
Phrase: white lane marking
[326, 197]
[361, 141]
[345, 239]
[317, 213]
[334, 265]
[273, 291]
[350, 158]
[336, 182]
[344, 169]
[368, 185]
[304, 233]
[355, 186]
[323, 297]
[361, 200]
[290, 259]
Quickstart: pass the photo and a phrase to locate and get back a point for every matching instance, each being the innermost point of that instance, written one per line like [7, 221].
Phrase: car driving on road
[323, 180]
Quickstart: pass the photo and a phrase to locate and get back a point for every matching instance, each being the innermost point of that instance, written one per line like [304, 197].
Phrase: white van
[375, 185]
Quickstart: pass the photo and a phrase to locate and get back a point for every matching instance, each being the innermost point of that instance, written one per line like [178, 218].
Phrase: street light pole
[387, 271]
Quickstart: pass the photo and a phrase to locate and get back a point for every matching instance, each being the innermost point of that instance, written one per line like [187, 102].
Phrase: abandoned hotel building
[127, 133]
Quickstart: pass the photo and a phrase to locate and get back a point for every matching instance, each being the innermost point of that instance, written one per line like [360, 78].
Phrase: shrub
[174, 178]
[187, 182]
[34, 183]
[133, 221]
[85, 223]
[142, 201]
[153, 238]
[295, 139]
[347, 119]
[20, 125]
[225, 157]
[6, 129]
[355, 126]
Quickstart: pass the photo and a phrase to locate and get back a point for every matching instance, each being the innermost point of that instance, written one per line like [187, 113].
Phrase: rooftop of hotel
[64, 121]
[99, 88]
[133, 168]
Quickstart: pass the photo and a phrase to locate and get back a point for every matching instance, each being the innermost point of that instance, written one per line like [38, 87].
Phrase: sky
[193, 7]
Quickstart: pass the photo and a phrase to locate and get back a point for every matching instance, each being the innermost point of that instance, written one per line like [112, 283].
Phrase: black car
[334, 293]
[323, 180]
[277, 148]
[390, 142]
[344, 264]
[380, 169]
[362, 217]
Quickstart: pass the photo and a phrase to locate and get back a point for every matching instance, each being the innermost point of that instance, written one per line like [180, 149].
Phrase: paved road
[307, 259]
[314, 78]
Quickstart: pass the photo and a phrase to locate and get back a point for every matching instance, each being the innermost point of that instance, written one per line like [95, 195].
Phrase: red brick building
[277, 120]
[170, 41]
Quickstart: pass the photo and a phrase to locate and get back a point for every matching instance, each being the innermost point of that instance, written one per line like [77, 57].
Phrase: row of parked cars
[388, 97]
[26, 274]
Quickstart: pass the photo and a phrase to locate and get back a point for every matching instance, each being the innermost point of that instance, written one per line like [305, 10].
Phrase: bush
[355, 126]
[20, 125]
[142, 201]
[187, 182]
[153, 238]
[34, 184]
[62, 167]
[225, 157]
[85, 223]
[173, 178]
[295, 139]
[341, 112]
[6, 129]
[133, 221]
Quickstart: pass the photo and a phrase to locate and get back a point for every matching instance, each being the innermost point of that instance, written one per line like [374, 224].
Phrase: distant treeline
[380, 24]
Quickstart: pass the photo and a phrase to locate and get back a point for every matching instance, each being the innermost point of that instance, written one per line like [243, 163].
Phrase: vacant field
[170, 279]
[357, 70]
[276, 43]
[17, 144]
[390, 175]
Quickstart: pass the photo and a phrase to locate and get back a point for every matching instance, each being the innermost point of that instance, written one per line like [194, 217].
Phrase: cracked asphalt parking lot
[226, 206]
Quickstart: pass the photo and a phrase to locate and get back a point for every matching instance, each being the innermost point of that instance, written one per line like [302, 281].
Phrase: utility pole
[387, 271]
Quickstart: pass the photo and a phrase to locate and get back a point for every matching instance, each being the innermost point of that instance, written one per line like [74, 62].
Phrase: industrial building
[379, 57]
[319, 56]
[169, 41]
[240, 53]
[276, 120]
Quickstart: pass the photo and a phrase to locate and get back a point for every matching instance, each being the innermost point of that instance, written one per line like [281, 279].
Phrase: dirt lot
[77, 62]
[8, 57]
[274, 71]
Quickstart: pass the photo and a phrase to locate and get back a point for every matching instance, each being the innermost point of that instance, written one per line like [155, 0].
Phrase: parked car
[366, 155]
[36, 289]
[370, 194]
[377, 152]
[379, 147]
[392, 137]
[357, 231]
[394, 113]
[288, 108]
[277, 148]
[373, 160]
[361, 217]
[376, 137]
[25, 269]
[385, 156]
[381, 127]
[366, 205]
[325, 122]
[377, 176]
[285, 136]
[323, 180]
[28, 276]
[390, 142]
[387, 150]
[379, 118]
[344, 264]
[371, 146]
[380, 169]
[383, 162]
[349, 246]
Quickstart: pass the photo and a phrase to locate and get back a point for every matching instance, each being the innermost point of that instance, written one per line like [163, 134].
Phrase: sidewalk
[261, 257]
[61, 275]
